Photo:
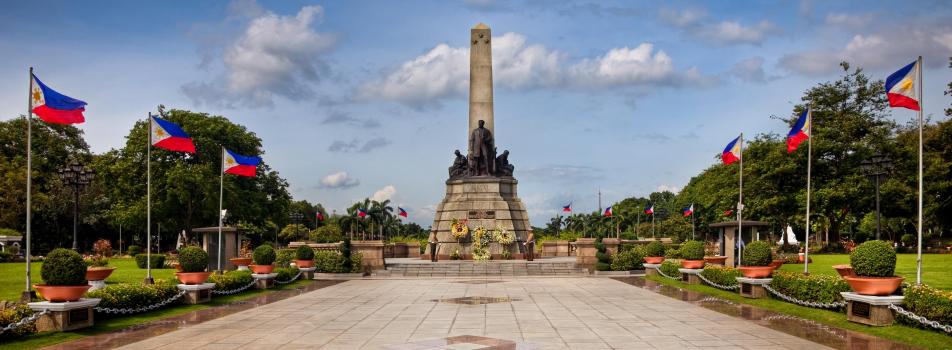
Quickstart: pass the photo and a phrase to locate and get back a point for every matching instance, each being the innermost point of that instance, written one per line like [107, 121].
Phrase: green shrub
[283, 257]
[815, 288]
[600, 266]
[908, 240]
[6, 257]
[672, 253]
[96, 261]
[134, 295]
[193, 259]
[692, 250]
[15, 314]
[925, 301]
[304, 253]
[670, 268]
[326, 234]
[231, 280]
[329, 261]
[345, 252]
[157, 261]
[655, 248]
[264, 255]
[757, 253]
[874, 259]
[134, 250]
[630, 259]
[355, 262]
[285, 273]
[723, 275]
[63, 267]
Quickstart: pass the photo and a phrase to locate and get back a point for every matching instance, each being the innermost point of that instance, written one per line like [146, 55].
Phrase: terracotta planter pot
[874, 285]
[692, 264]
[303, 264]
[716, 260]
[755, 271]
[193, 277]
[240, 261]
[844, 270]
[177, 266]
[776, 264]
[98, 273]
[59, 294]
[654, 259]
[261, 269]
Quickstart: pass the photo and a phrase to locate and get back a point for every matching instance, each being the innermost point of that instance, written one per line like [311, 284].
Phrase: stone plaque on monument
[481, 188]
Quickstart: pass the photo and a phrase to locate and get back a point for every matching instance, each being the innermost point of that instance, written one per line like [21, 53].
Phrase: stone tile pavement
[545, 313]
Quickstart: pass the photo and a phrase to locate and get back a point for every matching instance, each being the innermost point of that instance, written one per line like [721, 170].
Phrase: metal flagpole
[221, 196]
[28, 292]
[692, 221]
[806, 247]
[120, 238]
[652, 223]
[919, 248]
[740, 197]
[638, 229]
[148, 200]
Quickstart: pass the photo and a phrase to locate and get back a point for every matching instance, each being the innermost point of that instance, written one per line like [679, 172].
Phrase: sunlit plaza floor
[508, 313]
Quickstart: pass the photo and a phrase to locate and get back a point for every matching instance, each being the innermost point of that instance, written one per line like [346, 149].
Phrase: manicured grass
[13, 276]
[900, 333]
[936, 268]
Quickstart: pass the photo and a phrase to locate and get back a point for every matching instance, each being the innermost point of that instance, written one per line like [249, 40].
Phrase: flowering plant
[459, 229]
[102, 247]
[503, 236]
[481, 254]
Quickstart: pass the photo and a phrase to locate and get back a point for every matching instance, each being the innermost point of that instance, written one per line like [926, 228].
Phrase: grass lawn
[913, 336]
[936, 268]
[13, 276]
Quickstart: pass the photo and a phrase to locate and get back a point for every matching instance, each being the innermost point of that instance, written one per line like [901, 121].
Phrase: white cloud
[339, 180]
[696, 24]
[624, 66]
[274, 56]
[750, 70]
[669, 188]
[384, 193]
[684, 18]
[848, 20]
[358, 146]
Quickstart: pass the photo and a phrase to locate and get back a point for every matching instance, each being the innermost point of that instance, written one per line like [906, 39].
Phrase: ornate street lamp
[296, 218]
[76, 176]
[877, 167]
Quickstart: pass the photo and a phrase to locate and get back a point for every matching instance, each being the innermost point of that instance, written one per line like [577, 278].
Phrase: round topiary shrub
[63, 267]
[193, 259]
[757, 253]
[304, 253]
[655, 248]
[874, 259]
[692, 250]
[264, 255]
[134, 250]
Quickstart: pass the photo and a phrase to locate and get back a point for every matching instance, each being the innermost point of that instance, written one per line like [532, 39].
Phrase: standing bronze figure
[482, 154]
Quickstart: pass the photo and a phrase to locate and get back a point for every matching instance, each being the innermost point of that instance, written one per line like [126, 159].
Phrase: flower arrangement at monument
[459, 229]
[481, 240]
[503, 236]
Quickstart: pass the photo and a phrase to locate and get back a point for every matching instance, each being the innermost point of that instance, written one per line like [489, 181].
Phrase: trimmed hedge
[692, 250]
[672, 253]
[670, 268]
[158, 261]
[757, 253]
[328, 261]
[15, 314]
[231, 280]
[874, 259]
[654, 248]
[723, 275]
[133, 295]
[193, 259]
[63, 267]
[134, 250]
[628, 260]
[264, 255]
[304, 253]
[283, 257]
[815, 288]
[928, 302]
[604, 260]
[285, 273]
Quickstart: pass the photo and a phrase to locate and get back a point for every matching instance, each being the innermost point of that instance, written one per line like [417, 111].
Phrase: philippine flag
[320, 217]
[731, 152]
[237, 164]
[402, 212]
[800, 131]
[167, 135]
[567, 208]
[901, 87]
[361, 212]
[649, 209]
[608, 212]
[53, 107]
[688, 211]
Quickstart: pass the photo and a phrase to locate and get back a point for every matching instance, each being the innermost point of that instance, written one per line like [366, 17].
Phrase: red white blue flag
[731, 152]
[320, 217]
[608, 212]
[567, 208]
[901, 87]
[689, 210]
[402, 212]
[237, 164]
[649, 209]
[54, 107]
[167, 135]
[361, 212]
[800, 131]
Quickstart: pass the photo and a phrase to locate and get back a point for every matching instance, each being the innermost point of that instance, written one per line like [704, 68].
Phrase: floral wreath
[459, 229]
[503, 236]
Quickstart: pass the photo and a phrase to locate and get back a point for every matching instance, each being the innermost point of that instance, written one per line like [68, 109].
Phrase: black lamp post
[77, 176]
[876, 168]
[296, 218]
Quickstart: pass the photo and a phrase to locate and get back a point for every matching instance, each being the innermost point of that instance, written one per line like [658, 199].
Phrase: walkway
[541, 313]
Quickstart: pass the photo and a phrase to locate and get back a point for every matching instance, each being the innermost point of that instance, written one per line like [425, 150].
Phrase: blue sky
[356, 99]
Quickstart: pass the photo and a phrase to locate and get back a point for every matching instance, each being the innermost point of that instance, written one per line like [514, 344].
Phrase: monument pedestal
[66, 316]
[753, 287]
[586, 253]
[652, 269]
[870, 309]
[264, 280]
[371, 254]
[197, 293]
[689, 276]
[490, 202]
[307, 272]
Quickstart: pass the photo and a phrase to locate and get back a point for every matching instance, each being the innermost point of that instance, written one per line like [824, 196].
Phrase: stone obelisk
[480, 78]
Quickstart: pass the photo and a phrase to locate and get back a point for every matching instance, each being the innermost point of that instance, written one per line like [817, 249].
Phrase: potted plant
[756, 260]
[263, 256]
[692, 253]
[304, 257]
[874, 263]
[654, 252]
[97, 269]
[64, 276]
[244, 255]
[193, 261]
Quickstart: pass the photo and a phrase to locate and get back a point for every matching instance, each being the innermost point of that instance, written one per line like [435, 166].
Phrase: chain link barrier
[734, 287]
[925, 321]
[233, 291]
[24, 321]
[110, 310]
[833, 305]
[662, 273]
[291, 280]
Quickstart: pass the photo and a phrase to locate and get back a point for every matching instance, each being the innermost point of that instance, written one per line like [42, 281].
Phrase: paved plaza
[509, 313]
